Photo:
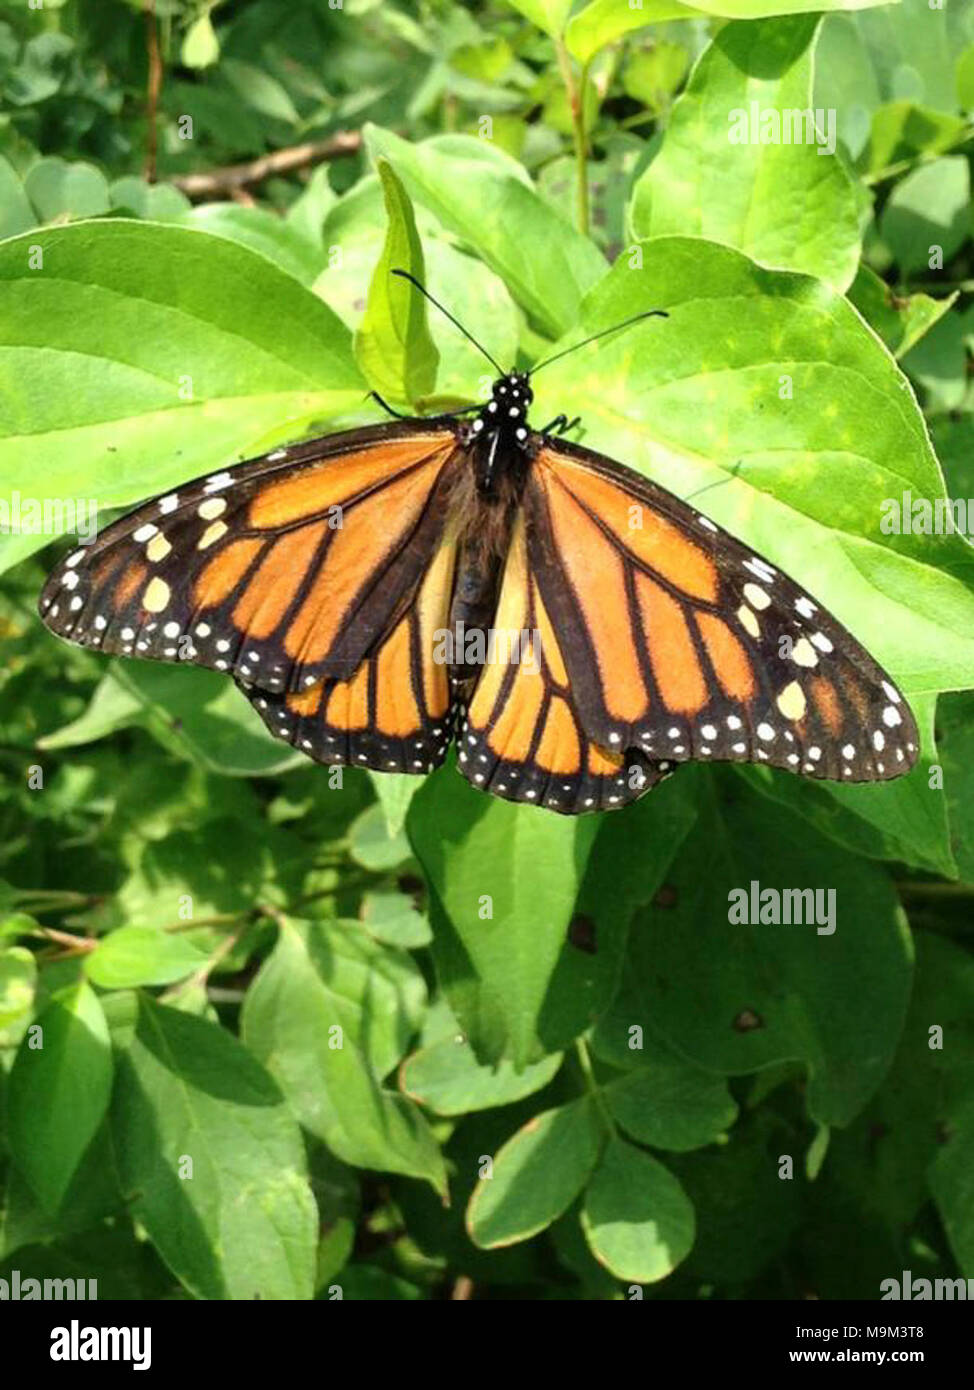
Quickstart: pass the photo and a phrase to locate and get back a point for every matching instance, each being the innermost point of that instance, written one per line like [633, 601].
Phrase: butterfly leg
[561, 425]
[445, 415]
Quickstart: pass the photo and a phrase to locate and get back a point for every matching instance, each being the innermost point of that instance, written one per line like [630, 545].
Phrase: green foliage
[266, 1029]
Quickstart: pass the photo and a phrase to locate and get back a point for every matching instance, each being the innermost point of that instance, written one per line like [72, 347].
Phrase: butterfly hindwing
[282, 571]
[394, 713]
[522, 737]
[681, 642]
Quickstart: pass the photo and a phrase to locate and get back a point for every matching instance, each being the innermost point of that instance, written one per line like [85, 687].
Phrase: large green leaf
[786, 204]
[59, 1089]
[545, 263]
[603, 21]
[213, 1162]
[503, 881]
[329, 1025]
[739, 996]
[138, 355]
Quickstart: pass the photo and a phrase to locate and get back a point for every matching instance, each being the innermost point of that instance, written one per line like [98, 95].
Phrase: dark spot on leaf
[747, 1021]
[945, 1132]
[581, 933]
[666, 896]
[409, 883]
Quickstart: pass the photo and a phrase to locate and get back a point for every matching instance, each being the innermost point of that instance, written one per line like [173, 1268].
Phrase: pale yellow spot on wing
[748, 621]
[804, 653]
[156, 596]
[212, 508]
[756, 596]
[211, 535]
[791, 701]
[158, 548]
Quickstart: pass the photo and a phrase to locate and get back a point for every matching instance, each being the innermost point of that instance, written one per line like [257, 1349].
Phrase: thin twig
[153, 88]
[77, 945]
[576, 102]
[223, 183]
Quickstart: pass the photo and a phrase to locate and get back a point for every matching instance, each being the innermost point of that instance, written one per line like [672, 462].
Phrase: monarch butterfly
[323, 577]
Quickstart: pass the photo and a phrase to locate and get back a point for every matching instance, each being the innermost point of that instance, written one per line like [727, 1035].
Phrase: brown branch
[226, 182]
[153, 88]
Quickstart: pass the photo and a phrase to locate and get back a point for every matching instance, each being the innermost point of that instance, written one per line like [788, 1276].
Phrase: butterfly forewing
[283, 571]
[682, 643]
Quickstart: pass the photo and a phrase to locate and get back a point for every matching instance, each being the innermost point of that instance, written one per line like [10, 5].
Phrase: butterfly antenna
[636, 318]
[405, 275]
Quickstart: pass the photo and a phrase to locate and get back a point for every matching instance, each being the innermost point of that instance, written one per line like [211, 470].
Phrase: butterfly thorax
[499, 437]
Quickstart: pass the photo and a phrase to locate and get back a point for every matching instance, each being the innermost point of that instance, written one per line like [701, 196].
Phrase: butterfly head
[499, 435]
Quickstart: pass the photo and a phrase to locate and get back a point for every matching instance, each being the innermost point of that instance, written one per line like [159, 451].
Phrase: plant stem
[576, 101]
[153, 87]
[593, 1087]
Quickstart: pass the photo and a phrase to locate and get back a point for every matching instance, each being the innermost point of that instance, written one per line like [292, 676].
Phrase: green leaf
[938, 363]
[636, 1217]
[59, 1091]
[329, 1027]
[900, 320]
[964, 76]
[392, 918]
[61, 189]
[200, 46]
[746, 1212]
[257, 88]
[133, 956]
[195, 713]
[16, 213]
[503, 881]
[535, 1176]
[375, 844]
[395, 791]
[905, 819]
[914, 1140]
[956, 717]
[152, 354]
[903, 132]
[549, 15]
[161, 202]
[603, 21]
[715, 177]
[393, 346]
[927, 212]
[499, 215]
[652, 76]
[264, 232]
[213, 1161]
[112, 706]
[737, 996]
[669, 1103]
[18, 981]
[446, 1077]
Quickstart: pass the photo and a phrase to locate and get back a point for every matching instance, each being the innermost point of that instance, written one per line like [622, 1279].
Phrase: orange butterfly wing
[282, 571]
[523, 736]
[682, 643]
[394, 714]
